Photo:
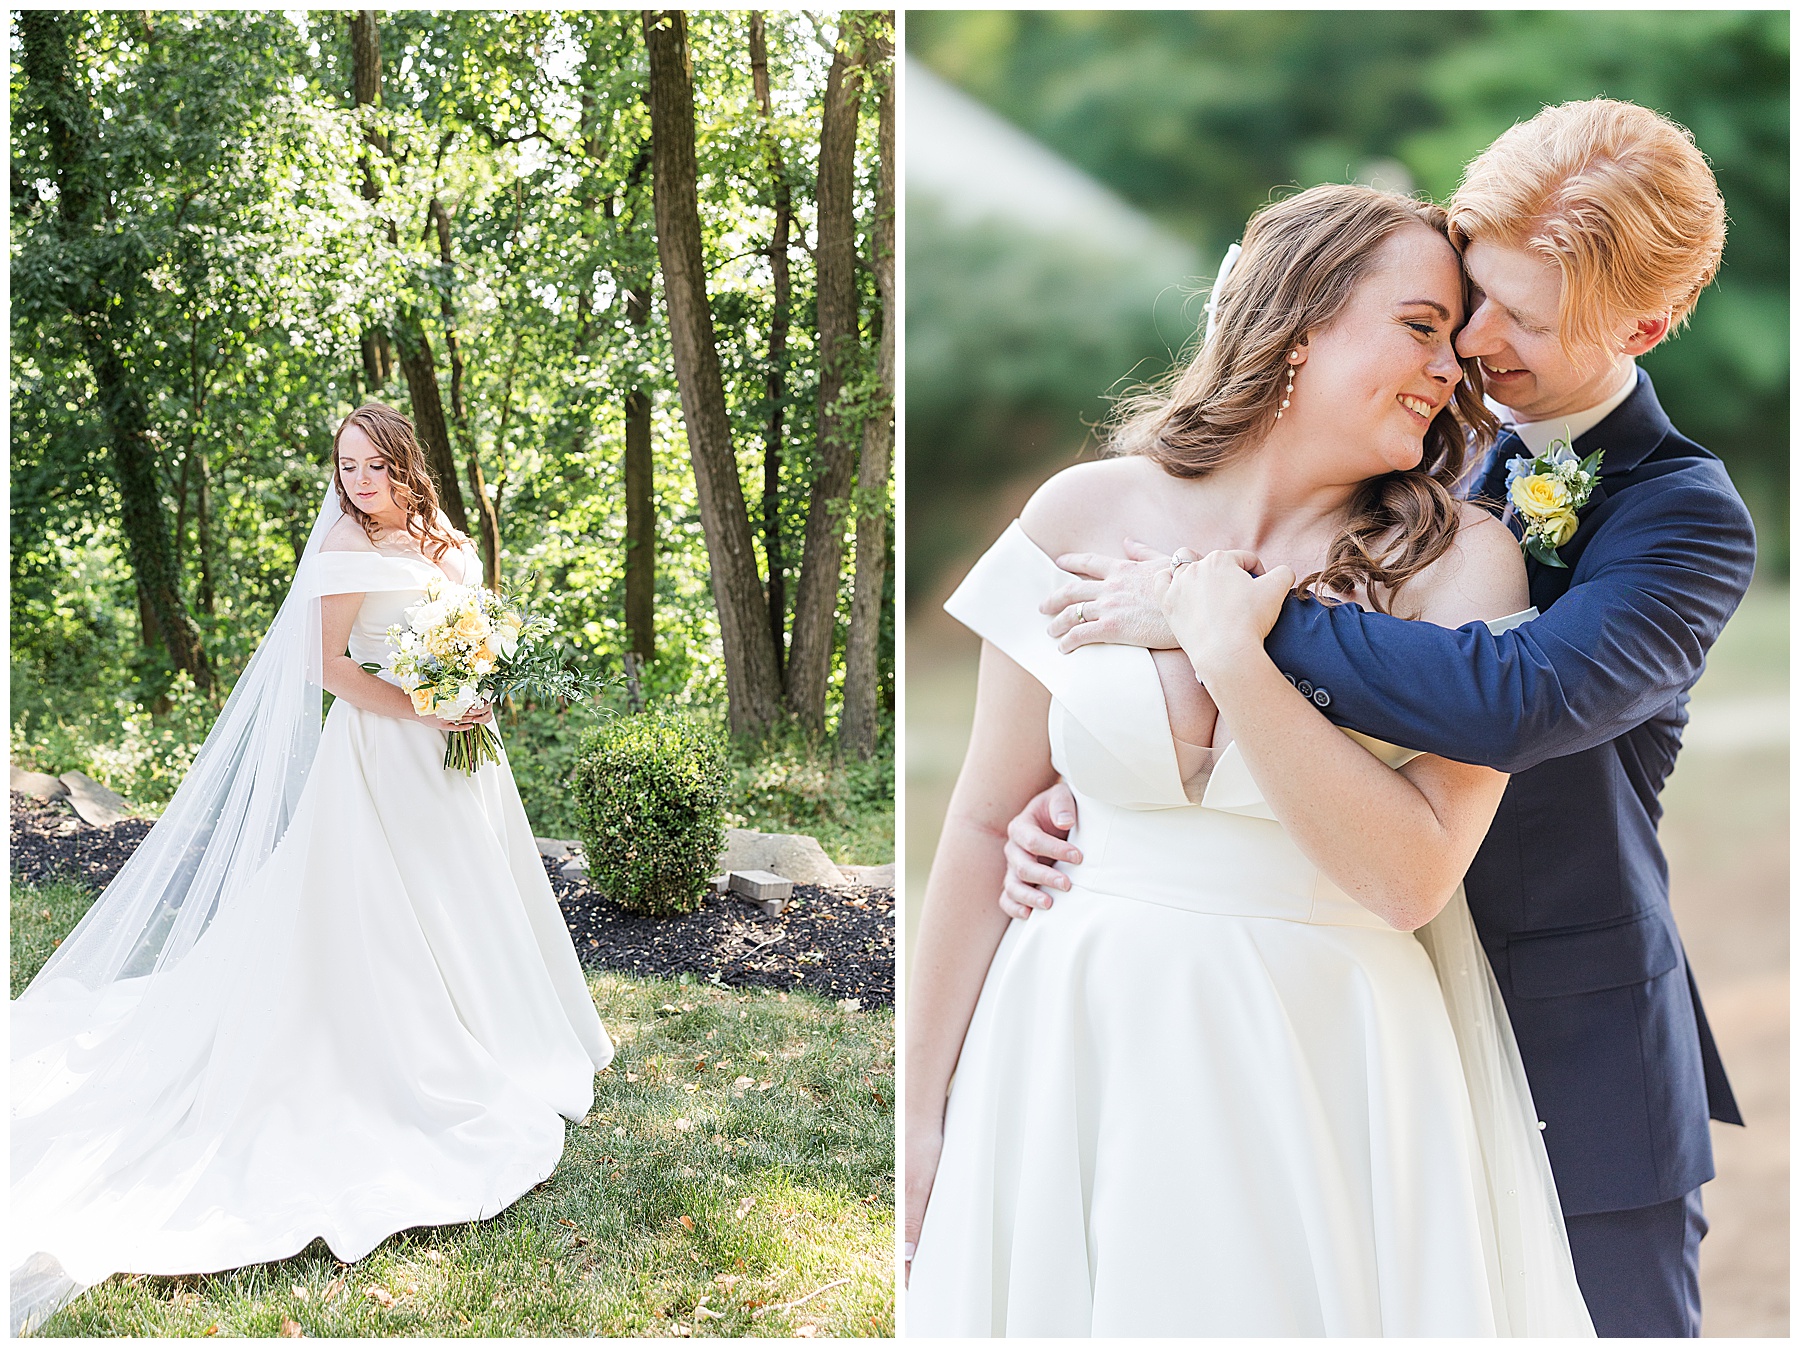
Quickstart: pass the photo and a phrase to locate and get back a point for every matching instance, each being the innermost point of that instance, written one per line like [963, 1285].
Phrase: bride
[331, 994]
[1252, 1075]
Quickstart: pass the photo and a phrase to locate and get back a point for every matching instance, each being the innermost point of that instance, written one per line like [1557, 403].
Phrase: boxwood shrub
[649, 798]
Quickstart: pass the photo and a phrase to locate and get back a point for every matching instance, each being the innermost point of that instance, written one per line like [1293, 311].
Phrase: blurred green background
[1071, 180]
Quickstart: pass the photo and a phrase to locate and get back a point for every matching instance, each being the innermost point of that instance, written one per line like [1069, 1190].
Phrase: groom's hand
[1038, 836]
[1117, 601]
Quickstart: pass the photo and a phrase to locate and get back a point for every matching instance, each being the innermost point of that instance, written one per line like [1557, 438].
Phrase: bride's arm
[1398, 842]
[1008, 762]
[344, 677]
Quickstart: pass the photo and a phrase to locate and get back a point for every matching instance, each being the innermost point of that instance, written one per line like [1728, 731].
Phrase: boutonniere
[1548, 492]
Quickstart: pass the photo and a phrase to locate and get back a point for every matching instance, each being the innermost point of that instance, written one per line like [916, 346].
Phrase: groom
[1590, 231]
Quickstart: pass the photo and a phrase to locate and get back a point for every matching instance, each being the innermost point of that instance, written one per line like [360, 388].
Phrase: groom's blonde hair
[1618, 198]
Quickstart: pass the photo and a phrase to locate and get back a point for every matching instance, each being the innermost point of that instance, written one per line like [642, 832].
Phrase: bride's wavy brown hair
[409, 478]
[1302, 259]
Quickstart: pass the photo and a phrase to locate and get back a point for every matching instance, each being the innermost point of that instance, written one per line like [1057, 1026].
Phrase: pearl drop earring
[1287, 393]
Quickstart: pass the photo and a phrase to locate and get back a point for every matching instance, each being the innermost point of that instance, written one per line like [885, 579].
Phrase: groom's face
[1513, 332]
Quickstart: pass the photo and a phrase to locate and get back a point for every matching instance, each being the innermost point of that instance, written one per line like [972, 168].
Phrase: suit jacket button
[1305, 687]
[1321, 697]
[1289, 677]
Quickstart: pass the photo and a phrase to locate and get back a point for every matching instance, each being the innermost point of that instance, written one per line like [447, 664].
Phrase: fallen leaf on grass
[727, 1280]
[336, 1286]
[764, 1085]
[210, 1330]
[435, 1256]
[412, 1288]
[379, 1295]
[465, 1319]
[290, 1329]
[43, 912]
[692, 1087]
[566, 1222]
[681, 1331]
[806, 1331]
[301, 1294]
[743, 1083]
[631, 1076]
[744, 1207]
[682, 1125]
[781, 996]
[686, 1221]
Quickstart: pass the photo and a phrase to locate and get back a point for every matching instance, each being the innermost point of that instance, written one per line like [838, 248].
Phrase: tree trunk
[640, 528]
[862, 665]
[776, 380]
[753, 683]
[365, 77]
[101, 304]
[815, 599]
[203, 530]
[459, 412]
[420, 369]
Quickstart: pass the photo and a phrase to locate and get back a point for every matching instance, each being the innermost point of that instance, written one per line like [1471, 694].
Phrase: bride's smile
[1368, 386]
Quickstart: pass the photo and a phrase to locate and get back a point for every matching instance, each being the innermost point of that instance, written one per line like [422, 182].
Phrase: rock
[94, 803]
[793, 856]
[875, 877]
[575, 868]
[554, 848]
[39, 784]
[760, 886]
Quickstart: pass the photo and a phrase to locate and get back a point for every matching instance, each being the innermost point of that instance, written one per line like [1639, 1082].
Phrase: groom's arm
[1650, 595]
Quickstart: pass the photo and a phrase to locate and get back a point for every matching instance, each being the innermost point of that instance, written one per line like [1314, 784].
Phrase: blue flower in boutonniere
[1548, 492]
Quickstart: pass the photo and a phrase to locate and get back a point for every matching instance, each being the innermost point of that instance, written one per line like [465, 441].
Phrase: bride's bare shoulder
[1088, 507]
[346, 536]
[1480, 576]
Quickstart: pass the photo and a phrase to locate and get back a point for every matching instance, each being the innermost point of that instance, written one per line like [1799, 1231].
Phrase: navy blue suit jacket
[1584, 706]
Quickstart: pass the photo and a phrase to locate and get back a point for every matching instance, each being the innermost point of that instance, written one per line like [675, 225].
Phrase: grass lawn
[735, 1177]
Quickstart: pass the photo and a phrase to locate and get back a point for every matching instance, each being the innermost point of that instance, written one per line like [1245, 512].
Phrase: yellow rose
[472, 626]
[1559, 528]
[421, 700]
[484, 658]
[1540, 496]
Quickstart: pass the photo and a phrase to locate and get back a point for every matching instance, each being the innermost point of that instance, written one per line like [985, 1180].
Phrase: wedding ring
[1079, 620]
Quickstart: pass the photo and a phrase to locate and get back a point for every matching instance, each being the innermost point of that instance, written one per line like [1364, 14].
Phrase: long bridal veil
[97, 1083]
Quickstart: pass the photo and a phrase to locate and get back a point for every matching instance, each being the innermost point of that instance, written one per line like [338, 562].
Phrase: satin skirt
[388, 1032]
[1174, 1121]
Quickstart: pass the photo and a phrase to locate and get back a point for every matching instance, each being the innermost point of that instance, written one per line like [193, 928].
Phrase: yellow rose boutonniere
[1548, 491]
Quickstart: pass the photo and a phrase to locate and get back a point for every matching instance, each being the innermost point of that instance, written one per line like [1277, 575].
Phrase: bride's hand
[924, 1143]
[478, 714]
[1220, 608]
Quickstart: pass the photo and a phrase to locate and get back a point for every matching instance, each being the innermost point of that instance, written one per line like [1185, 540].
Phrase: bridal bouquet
[462, 645]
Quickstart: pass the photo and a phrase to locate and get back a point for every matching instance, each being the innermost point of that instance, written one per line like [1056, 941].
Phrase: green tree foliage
[1197, 117]
[508, 222]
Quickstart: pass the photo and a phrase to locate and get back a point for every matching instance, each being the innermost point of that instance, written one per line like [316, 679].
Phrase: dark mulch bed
[48, 839]
[835, 942]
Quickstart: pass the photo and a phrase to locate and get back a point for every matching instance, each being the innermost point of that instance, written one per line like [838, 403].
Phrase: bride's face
[1375, 378]
[363, 469]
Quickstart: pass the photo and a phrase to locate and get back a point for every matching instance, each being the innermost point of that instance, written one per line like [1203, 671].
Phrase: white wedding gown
[1207, 1093]
[386, 1031]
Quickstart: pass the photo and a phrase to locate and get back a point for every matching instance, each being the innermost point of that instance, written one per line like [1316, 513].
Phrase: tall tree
[775, 381]
[753, 683]
[102, 293]
[365, 67]
[857, 726]
[821, 565]
[486, 511]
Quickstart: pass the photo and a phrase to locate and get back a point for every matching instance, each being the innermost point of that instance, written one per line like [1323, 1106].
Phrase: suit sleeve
[1647, 599]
